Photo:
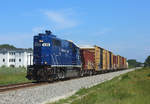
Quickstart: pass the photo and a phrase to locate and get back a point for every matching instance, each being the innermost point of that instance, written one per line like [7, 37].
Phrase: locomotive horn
[48, 32]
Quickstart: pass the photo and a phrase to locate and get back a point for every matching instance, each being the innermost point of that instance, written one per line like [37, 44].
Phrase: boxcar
[87, 59]
[118, 62]
[104, 59]
[108, 60]
[115, 62]
[111, 66]
[112, 58]
[97, 53]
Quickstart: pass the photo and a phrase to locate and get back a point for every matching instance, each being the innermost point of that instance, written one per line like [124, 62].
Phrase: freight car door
[101, 58]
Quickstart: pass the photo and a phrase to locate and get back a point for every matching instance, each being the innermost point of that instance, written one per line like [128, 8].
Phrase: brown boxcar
[101, 58]
[115, 61]
[96, 53]
[108, 60]
[97, 58]
[87, 59]
[126, 63]
[123, 62]
[104, 59]
[118, 62]
[112, 62]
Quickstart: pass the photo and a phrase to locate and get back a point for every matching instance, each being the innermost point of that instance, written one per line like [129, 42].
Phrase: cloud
[61, 19]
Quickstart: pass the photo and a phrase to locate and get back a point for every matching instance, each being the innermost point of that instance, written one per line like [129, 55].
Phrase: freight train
[56, 58]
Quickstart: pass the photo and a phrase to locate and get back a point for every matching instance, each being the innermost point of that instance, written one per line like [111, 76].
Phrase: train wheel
[81, 73]
[61, 75]
[91, 73]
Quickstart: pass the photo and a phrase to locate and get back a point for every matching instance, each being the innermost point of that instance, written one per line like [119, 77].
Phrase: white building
[16, 58]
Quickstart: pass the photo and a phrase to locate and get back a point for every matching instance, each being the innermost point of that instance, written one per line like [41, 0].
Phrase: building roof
[14, 50]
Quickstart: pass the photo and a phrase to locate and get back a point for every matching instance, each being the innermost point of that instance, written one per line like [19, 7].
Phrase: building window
[19, 60]
[12, 60]
[20, 53]
[12, 53]
[3, 60]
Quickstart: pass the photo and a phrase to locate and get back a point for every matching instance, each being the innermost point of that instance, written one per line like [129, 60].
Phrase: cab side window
[56, 42]
[73, 48]
[70, 45]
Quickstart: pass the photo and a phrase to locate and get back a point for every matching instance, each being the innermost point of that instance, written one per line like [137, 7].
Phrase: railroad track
[5, 88]
[10, 87]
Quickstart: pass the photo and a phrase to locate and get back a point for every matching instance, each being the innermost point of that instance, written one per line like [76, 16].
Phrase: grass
[130, 88]
[130, 66]
[9, 75]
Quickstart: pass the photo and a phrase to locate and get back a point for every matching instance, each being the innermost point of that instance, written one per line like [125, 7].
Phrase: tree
[134, 63]
[30, 49]
[147, 62]
[7, 46]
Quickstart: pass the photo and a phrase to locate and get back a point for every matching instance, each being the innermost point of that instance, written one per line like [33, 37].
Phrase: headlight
[40, 40]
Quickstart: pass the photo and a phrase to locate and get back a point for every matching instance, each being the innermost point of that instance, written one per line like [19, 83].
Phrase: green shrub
[148, 75]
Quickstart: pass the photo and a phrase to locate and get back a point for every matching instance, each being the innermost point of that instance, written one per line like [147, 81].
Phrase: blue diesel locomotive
[54, 58]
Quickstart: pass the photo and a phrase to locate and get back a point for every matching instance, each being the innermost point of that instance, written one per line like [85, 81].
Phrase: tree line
[147, 62]
[8, 46]
[134, 63]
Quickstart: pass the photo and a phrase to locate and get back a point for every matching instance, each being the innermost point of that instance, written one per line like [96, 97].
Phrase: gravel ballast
[54, 91]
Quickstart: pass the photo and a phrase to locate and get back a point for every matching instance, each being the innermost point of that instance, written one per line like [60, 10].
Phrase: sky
[121, 26]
